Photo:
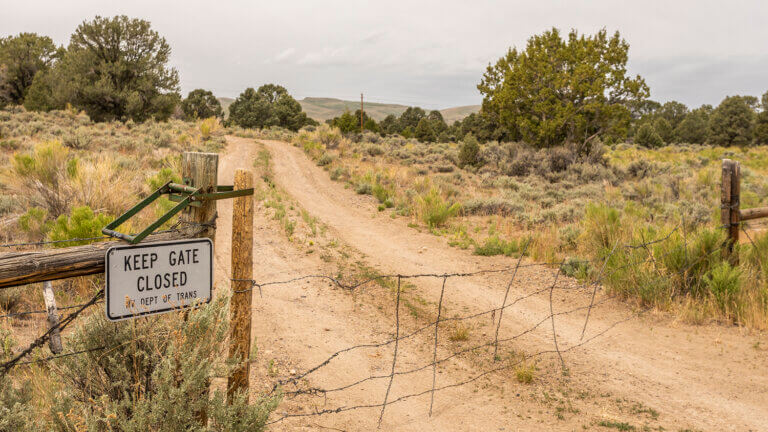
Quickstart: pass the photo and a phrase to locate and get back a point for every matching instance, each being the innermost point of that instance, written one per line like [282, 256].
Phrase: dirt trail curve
[708, 377]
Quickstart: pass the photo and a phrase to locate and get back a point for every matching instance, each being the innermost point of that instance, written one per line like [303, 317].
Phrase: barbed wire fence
[283, 384]
[292, 386]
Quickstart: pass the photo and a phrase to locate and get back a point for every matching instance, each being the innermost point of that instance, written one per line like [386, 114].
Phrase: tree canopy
[761, 122]
[114, 69]
[201, 104]
[563, 90]
[21, 58]
[731, 123]
[693, 128]
[270, 105]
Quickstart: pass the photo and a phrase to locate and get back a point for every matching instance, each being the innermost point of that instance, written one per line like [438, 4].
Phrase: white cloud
[284, 55]
[327, 56]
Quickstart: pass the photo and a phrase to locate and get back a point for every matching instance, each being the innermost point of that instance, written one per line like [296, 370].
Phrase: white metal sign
[154, 278]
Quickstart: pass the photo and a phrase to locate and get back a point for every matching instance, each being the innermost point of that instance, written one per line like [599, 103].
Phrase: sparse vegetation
[621, 426]
[573, 207]
[459, 333]
[525, 373]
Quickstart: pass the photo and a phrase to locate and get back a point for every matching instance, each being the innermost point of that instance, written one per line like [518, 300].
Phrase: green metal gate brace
[183, 194]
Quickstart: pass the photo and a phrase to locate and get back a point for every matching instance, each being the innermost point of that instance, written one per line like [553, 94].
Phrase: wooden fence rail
[26, 267]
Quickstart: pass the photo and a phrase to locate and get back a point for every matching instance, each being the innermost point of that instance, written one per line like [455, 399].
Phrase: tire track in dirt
[709, 377]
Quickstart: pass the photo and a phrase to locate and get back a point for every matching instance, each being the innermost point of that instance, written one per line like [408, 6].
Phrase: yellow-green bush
[434, 210]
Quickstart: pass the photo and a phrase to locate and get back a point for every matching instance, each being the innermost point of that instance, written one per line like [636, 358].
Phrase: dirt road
[645, 371]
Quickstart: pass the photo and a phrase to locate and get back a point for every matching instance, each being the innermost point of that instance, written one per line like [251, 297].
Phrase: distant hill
[450, 115]
[322, 109]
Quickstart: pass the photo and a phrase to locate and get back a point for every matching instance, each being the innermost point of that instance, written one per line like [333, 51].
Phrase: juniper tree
[559, 90]
[117, 69]
[646, 136]
[21, 58]
[732, 122]
[424, 131]
[201, 104]
[270, 105]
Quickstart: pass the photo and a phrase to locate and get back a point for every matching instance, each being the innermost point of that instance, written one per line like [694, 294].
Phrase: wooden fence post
[201, 170]
[242, 292]
[729, 206]
[54, 342]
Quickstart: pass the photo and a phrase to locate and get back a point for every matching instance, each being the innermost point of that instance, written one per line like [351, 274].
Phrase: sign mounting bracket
[182, 194]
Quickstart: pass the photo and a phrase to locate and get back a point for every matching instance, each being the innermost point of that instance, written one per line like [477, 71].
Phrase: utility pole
[361, 112]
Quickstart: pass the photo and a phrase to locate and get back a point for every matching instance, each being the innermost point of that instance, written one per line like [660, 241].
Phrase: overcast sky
[427, 53]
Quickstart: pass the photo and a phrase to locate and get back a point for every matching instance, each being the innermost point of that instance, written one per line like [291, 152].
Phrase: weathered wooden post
[201, 170]
[242, 292]
[54, 342]
[729, 206]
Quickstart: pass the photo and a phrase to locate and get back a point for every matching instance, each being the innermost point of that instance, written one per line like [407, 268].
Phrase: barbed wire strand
[5, 367]
[506, 294]
[317, 391]
[594, 288]
[434, 353]
[394, 355]
[42, 311]
[552, 315]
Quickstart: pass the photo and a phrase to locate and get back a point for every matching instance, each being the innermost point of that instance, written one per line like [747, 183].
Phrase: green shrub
[382, 193]
[756, 255]
[494, 245]
[328, 136]
[469, 152]
[162, 177]
[724, 282]
[15, 410]
[153, 376]
[43, 172]
[325, 159]
[576, 268]
[33, 222]
[602, 229]
[364, 188]
[703, 256]
[79, 139]
[434, 210]
[313, 149]
[646, 136]
[492, 206]
[82, 223]
[374, 150]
